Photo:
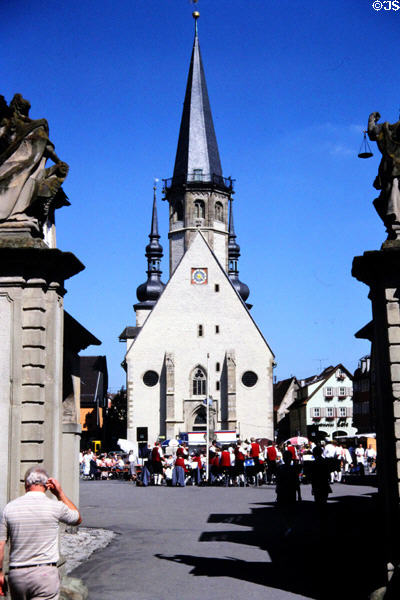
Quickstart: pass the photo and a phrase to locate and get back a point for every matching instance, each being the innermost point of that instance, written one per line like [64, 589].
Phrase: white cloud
[341, 150]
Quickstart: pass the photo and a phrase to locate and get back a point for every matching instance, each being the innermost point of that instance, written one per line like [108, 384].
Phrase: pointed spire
[149, 292]
[233, 257]
[233, 247]
[154, 250]
[197, 154]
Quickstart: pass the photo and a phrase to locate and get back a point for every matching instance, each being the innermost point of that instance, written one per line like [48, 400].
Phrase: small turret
[233, 257]
[149, 292]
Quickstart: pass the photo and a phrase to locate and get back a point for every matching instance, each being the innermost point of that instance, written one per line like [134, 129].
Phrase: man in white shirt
[330, 456]
[339, 456]
[31, 524]
[360, 456]
[370, 455]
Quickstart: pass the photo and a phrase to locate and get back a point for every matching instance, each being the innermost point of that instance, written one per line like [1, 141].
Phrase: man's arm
[55, 488]
[2, 546]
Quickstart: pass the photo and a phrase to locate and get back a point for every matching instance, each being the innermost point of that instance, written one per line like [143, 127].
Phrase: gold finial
[195, 16]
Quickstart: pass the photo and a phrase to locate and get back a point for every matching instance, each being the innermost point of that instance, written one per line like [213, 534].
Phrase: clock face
[199, 276]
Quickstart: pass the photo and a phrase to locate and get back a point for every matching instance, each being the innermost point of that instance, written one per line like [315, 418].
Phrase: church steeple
[233, 257]
[149, 291]
[197, 193]
[197, 155]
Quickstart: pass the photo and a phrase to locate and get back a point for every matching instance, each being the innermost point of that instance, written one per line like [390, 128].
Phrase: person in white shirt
[31, 524]
[370, 455]
[329, 454]
[87, 457]
[232, 453]
[329, 450]
[360, 457]
[169, 464]
[132, 460]
[339, 457]
[347, 461]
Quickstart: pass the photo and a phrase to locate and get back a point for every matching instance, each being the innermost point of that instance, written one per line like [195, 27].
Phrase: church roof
[197, 144]
[280, 390]
[198, 239]
[76, 336]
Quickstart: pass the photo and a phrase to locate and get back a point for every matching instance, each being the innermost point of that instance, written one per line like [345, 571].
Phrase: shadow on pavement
[321, 554]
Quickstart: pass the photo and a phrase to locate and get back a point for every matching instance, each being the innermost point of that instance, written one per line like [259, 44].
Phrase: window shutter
[322, 412]
[349, 391]
[350, 411]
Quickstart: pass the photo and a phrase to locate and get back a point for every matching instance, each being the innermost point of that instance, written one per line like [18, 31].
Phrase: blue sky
[291, 86]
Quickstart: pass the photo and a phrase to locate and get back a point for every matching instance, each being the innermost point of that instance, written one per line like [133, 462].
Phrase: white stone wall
[177, 248]
[287, 402]
[220, 248]
[173, 327]
[6, 354]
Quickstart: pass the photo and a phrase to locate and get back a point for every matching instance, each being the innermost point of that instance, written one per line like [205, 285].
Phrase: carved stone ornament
[29, 191]
[387, 205]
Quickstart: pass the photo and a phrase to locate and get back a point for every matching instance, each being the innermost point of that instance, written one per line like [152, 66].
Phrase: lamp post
[207, 419]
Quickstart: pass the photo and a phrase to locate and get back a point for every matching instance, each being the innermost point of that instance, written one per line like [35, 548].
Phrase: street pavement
[215, 543]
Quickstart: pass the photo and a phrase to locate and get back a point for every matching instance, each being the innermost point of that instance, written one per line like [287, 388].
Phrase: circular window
[249, 378]
[150, 378]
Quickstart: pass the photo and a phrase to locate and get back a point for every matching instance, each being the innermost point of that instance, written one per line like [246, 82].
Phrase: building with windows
[194, 337]
[363, 406]
[324, 405]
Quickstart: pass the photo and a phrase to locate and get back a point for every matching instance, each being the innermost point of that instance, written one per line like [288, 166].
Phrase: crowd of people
[102, 466]
[242, 464]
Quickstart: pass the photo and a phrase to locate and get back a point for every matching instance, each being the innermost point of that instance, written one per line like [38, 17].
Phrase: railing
[193, 178]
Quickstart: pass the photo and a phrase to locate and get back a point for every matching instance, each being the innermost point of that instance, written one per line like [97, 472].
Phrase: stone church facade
[194, 337]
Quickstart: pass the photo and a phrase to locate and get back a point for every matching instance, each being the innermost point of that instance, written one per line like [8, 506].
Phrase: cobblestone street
[212, 543]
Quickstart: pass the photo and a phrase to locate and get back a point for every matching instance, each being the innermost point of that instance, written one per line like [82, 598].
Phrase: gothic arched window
[219, 211]
[199, 209]
[199, 382]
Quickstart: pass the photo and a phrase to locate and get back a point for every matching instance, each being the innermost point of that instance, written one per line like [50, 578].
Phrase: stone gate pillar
[32, 279]
[380, 270]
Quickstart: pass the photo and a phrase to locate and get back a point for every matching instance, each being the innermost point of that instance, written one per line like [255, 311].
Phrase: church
[194, 336]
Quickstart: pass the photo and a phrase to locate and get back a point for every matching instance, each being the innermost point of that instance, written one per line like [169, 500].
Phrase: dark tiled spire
[149, 292]
[233, 257]
[197, 144]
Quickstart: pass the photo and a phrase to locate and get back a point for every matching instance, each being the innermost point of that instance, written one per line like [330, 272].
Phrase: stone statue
[28, 190]
[387, 137]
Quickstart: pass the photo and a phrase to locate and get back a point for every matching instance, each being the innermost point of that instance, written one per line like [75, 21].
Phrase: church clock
[199, 276]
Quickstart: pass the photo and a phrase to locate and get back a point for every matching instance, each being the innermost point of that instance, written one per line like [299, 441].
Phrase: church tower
[198, 194]
[195, 342]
